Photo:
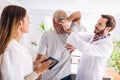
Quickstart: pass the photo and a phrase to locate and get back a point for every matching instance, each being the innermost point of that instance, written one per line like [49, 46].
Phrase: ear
[53, 21]
[20, 24]
[108, 29]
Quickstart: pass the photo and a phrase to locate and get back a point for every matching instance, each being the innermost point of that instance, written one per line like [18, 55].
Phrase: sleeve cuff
[32, 76]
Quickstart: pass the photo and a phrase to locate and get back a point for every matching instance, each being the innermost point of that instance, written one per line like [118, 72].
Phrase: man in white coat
[96, 48]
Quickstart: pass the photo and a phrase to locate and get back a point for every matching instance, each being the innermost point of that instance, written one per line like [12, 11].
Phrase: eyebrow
[99, 23]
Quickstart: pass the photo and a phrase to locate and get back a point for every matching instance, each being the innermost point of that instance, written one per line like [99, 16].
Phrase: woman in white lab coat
[15, 61]
[96, 49]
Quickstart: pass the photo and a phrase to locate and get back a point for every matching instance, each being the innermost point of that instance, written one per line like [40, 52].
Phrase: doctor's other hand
[69, 47]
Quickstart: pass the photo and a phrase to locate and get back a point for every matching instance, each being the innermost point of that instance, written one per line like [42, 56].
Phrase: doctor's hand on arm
[69, 47]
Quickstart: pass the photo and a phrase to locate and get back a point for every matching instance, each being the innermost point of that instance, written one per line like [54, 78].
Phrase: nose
[96, 28]
[95, 24]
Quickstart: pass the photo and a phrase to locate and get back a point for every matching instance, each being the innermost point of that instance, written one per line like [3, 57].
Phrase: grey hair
[60, 15]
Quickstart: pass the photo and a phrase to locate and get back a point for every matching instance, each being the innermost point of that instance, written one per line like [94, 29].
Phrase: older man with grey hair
[53, 43]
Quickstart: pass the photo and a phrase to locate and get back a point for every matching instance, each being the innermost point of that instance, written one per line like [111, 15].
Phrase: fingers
[39, 60]
[42, 58]
[47, 63]
[36, 63]
[60, 29]
[65, 24]
[38, 56]
[44, 66]
[63, 21]
[70, 48]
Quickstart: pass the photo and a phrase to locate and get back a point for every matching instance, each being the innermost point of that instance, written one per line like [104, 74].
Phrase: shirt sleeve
[74, 26]
[43, 44]
[14, 63]
[77, 28]
[103, 49]
[32, 76]
[12, 67]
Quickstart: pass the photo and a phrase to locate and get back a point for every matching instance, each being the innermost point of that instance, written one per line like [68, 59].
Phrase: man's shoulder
[86, 34]
[49, 34]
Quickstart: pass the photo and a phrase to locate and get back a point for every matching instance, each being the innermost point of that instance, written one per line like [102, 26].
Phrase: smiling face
[100, 26]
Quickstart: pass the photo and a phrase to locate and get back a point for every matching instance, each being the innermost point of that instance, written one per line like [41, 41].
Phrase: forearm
[69, 31]
[32, 76]
[76, 16]
[101, 50]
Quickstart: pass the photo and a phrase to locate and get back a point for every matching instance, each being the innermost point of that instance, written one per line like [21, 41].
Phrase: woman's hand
[40, 57]
[42, 67]
[37, 64]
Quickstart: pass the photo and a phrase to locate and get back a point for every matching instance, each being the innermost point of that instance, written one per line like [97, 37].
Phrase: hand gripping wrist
[69, 31]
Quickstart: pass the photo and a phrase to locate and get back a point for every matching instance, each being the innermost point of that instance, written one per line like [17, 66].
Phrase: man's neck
[98, 37]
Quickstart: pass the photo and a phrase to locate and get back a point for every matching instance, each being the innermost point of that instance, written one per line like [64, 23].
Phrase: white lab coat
[94, 55]
[17, 63]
